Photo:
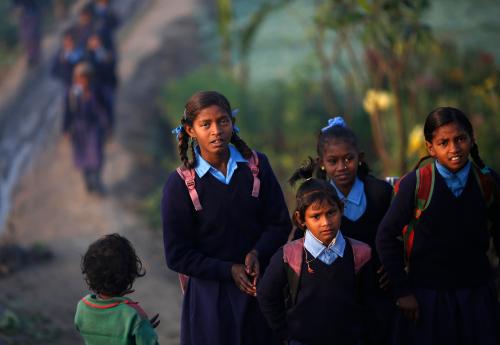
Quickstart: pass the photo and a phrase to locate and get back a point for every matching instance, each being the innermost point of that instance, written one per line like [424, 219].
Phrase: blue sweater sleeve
[270, 294]
[388, 242]
[277, 224]
[179, 226]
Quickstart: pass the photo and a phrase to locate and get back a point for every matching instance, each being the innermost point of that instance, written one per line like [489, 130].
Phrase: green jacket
[114, 321]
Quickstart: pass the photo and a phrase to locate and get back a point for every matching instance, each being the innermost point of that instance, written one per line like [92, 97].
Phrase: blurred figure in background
[103, 61]
[68, 55]
[29, 29]
[87, 123]
[105, 22]
[84, 26]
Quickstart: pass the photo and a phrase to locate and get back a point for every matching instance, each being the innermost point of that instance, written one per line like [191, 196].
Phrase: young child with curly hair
[106, 316]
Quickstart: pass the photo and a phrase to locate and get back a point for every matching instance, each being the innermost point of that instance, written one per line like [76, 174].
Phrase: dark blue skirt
[219, 313]
[461, 316]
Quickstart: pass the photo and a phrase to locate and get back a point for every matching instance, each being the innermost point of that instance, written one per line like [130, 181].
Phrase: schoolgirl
[224, 215]
[322, 275]
[446, 212]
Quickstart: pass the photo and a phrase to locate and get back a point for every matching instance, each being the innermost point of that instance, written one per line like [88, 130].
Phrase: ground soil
[52, 207]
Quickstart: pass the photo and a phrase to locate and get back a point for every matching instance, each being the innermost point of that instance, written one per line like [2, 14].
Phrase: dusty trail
[52, 207]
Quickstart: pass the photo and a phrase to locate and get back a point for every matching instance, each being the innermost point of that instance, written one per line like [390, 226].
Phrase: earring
[359, 163]
[322, 167]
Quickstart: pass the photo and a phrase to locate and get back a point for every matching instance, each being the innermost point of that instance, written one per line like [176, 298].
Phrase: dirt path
[52, 207]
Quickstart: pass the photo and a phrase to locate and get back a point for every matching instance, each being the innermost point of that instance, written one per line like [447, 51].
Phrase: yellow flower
[489, 83]
[416, 142]
[377, 100]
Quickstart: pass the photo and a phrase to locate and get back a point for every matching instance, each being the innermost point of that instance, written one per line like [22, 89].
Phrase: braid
[192, 164]
[474, 153]
[305, 172]
[241, 146]
[182, 147]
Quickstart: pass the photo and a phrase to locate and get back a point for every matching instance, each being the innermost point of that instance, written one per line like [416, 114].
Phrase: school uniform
[63, 65]
[106, 22]
[327, 307]
[87, 122]
[205, 244]
[364, 208]
[448, 271]
[104, 63]
[29, 29]
[113, 321]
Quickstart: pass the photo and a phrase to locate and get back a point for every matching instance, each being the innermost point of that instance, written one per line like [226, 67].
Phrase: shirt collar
[462, 174]
[355, 195]
[315, 247]
[202, 166]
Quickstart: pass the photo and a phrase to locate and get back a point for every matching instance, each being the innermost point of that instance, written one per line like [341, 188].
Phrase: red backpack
[426, 176]
[189, 175]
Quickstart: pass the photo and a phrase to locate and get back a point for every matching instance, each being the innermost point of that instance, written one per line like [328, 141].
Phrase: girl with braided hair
[448, 211]
[224, 215]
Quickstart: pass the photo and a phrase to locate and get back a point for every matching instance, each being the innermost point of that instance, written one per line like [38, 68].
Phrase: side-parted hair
[196, 103]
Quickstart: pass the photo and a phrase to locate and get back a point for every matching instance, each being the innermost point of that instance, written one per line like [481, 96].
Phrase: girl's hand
[409, 307]
[383, 279]
[155, 321]
[240, 278]
[252, 267]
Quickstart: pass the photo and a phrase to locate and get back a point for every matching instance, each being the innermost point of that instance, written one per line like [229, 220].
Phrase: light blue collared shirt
[202, 166]
[326, 254]
[355, 202]
[455, 181]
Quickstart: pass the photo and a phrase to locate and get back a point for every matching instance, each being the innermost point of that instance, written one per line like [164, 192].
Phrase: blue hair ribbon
[336, 121]
[177, 130]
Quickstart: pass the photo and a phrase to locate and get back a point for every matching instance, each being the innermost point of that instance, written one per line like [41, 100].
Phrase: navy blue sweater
[207, 243]
[378, 199]
[327, 309]
[451, 238]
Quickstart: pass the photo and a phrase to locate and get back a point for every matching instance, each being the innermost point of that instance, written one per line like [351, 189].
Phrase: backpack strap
[183, 280]
[486, 184]
[253, 164]
[292, 257]
[362, 253]
[188, 176]
[424, 187]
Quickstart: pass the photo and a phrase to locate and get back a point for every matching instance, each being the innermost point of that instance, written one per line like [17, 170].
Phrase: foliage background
[289, 65]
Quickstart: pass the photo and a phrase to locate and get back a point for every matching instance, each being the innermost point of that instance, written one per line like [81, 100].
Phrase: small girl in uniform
[444, 288]
[323, 274]
[87, 123]
[106, 317]
[366, 200]
[224, 215]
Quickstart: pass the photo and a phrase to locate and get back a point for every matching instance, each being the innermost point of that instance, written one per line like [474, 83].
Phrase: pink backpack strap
[183, 280]
[188, 175]
[292, 255]
[253, 164]
[362, 253]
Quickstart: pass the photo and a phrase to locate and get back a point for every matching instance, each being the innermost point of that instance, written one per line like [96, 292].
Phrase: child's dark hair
[444, 115]
[338, 132]
[111, 265]
[199, 101]
[310, 192]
